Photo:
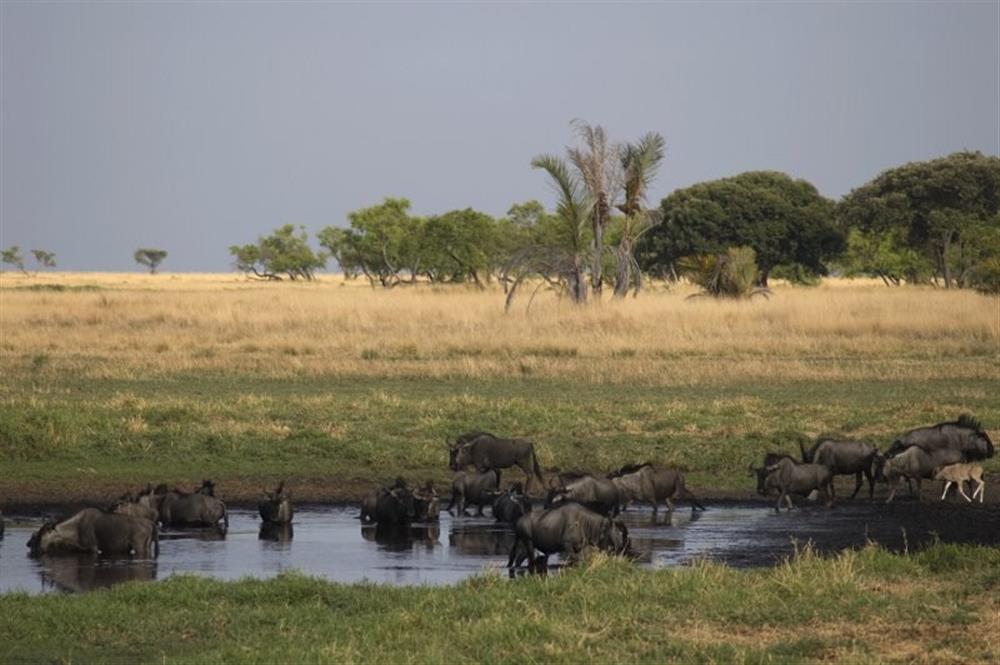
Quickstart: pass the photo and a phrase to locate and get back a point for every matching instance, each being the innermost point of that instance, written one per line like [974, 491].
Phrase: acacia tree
[44, 259]
[13, 256]
[284, 253]
[639, 163]
[149, 257]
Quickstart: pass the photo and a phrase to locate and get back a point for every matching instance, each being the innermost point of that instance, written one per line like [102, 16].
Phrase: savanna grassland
[112, 380]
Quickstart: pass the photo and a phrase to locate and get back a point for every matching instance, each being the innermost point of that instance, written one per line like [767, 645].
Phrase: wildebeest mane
[627, 469]
[966, 420]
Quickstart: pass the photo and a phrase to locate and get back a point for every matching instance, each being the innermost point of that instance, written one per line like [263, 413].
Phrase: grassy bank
[938, 606]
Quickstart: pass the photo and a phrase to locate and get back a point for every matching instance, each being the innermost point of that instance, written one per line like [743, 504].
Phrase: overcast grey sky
[191, 126]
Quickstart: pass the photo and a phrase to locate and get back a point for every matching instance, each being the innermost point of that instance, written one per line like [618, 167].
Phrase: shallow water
[331, 543]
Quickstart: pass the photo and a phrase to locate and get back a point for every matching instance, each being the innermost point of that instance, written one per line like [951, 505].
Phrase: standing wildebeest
[511, 505]
[485, 452]
[844, 457]
[646, 483]
[965, 436]
[278, 507]
[144, 506]
[598, 494]
[791, 477]
[761, 471]
[471, 488]
[914, 463]
[201, 508]
[94, 531]
[567, 529]
[389, 505]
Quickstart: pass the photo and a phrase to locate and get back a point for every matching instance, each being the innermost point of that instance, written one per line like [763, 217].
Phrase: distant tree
[885, 255]
[284, 253]
[639, 163]
[13, 256]
[730, 274]
[785, 221]
[946, 209]
[43, 258]
[460, 245]
[151, 258]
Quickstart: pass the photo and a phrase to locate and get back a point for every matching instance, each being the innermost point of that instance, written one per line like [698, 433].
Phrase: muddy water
[331, 543]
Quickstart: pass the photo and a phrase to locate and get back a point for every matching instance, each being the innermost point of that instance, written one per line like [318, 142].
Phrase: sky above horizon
[195, 126]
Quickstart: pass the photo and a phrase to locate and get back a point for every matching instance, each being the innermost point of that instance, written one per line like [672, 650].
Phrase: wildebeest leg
[788, 500]
[893, 483]
[909, 485]
[947, 486]
[857, 486]
[871, 483]
[479, 509]
[980, 490]
[781, 496]
[920, 489]
[961, 491]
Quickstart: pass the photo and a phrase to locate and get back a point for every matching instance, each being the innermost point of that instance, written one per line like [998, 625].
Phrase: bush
[729, 275]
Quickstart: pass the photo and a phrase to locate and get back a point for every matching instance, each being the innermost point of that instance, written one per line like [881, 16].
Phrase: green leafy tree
[13, 256]
[885, 255]
[785, 221]
[283, 254]
[43, 258]
[943, 208]
[149, 257]
[460, 245]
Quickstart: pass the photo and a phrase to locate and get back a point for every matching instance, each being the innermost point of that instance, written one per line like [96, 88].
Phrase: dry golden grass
[138, 325]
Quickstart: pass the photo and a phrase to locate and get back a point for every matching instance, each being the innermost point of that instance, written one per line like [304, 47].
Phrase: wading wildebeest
[648, 484]
[278, 507]
[565, 529]
[914, 463]
[761, 471]
[965, 436]
[94, 531]
[144, 507]
[511, 505]
[598, 494]
[791, 477]
[487, 452]
[389, 505]
[844, 457]
[201, 508]
[472, 488]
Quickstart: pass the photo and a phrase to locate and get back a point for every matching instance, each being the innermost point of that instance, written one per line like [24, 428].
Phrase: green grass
[369, 429]
[868, 605]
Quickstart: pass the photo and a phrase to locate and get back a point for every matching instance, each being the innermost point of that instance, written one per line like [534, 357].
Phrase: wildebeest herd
[579, 510]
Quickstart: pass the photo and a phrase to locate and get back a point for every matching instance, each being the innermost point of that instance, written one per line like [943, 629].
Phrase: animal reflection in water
[78, 573]
[206, 533]
[278, 533]
[482, 541]
[401, 537]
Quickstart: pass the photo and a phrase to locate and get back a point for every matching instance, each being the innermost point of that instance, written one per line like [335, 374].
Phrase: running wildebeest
[844, 457]
[201, 508]
[648, 484]
[278, 507]
[565, 529]
[471, 488]
[389, 505]
[914, 463]
[964, 435]
[143, 507]
[511, 505]
[96, 532]
[487, 452]
[761, 471]
[426, 504]
[598, 494]
[957, 474]
[791, 477]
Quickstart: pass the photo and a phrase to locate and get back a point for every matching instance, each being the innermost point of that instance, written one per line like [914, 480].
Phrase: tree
[284, 253]
[731, 274]
[639, 163]
[785, 221]
[885, 255]
[942, 208]
[44, 259]
[460, 245]
[150, 258]
[13, 256]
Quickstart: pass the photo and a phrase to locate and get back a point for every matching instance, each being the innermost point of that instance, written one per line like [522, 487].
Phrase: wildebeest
[914, 463]
[426, 504]
[964, 435]
[278, 507]
[143, 506]
[472, 488]
[791, 477]
[958, 474]
[488, 452]
[598, 494]
[389, 505]
[761, 472]
[201, 508]
[844, 457]
[648, 484]
[511, 505]
[96, 532]
[565, 529]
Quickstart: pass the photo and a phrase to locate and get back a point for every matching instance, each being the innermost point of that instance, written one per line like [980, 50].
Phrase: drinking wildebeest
[389, 505]
[646, 483]
[964, 435]
[487, 452]
[143, 507]
[96, 532]
[426, 504]
[914, 463]
[760, 472]
[599, 494]
[844, 457]
[278, 507]
[566, 529]
[472, 488]
[791, 477]
[958, 474]
[178, 508]
[511, 505]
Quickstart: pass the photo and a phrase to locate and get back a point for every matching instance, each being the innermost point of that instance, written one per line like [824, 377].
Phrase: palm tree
[639, 163]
